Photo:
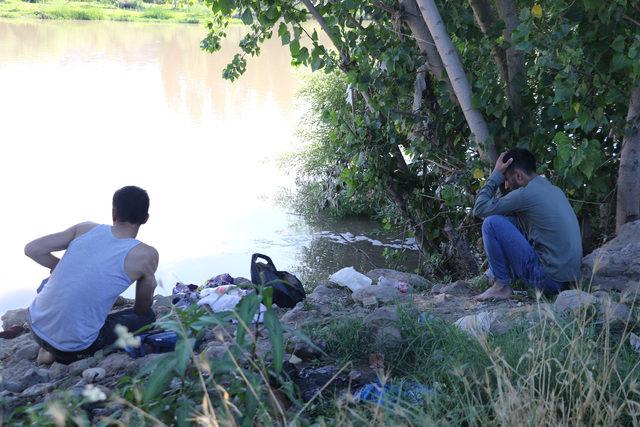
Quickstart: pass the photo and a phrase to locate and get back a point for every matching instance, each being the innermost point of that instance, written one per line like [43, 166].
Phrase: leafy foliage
[581, 61]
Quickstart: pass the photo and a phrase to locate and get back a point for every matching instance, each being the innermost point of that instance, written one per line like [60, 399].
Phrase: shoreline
[120, 11]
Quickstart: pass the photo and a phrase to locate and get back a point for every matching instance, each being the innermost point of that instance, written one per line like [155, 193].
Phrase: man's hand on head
[501, 164]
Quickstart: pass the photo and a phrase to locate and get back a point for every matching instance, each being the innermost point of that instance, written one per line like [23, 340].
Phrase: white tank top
[72, 307]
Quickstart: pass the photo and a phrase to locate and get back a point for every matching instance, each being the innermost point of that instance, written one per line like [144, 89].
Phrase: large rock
[616, 265]
[38, 390]
[162, 305]
[29, 351]
[15, 317]
[327, 294]
[374, 294]
[612, 312]
[298, 315]
[459, 288]
[382, 316]
[57, 370]
[93, 375]
[23, 374]
[80, 365]
[572, 300]
[117, 364]
[9, 348]
[417, 282]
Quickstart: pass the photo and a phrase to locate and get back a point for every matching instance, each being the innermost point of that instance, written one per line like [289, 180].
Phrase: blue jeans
[512, 257]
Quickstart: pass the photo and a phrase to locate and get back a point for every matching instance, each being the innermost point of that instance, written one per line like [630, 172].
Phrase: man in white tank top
[70, 317]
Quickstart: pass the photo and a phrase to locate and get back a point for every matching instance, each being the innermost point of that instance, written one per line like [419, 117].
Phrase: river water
[88, 107]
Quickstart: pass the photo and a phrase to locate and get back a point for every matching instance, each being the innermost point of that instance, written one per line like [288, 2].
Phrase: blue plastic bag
[386, 394]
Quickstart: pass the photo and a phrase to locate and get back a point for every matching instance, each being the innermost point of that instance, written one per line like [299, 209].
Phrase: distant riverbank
[108, 10]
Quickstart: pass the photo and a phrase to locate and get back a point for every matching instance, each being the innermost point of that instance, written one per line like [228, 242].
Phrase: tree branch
[344, 56]
[487, 22]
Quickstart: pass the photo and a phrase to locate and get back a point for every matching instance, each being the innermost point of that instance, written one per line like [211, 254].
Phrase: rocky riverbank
[611, 283]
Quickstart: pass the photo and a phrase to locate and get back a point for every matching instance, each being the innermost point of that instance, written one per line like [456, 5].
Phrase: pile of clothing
[218, 294]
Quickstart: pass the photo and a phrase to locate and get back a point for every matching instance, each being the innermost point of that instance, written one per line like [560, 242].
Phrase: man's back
[551, 226]
[70, 310]
[547, 219]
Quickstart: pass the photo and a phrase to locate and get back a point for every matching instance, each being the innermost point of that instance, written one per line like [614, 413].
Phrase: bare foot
[44, 357]
[496, 292]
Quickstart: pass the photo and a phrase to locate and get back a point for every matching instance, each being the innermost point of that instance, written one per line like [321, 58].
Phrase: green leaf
[282, 29]
[563, 147]
[159, 379]
[294, 47]
[184, 349]
[246, 310]
[272, 323]
[618, 44]
[247, 17]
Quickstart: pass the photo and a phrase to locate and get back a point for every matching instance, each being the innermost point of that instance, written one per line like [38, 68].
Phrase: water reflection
[88, 107]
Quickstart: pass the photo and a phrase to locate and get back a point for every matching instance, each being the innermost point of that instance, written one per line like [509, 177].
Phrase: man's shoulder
[142, 259]
[144, 250]
[83, 227]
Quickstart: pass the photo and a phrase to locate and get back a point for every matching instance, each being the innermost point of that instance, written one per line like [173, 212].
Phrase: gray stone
[38, 389]
[93, 375]
[215, 350]
[241, 281]
[142, 362]
[383, 294]
[414, 280]
[117, 364]
[616, 265]
[82, 364]
[321, 294]
[294, 360]
[28, 352]
[57, 370]
[12, 386]
[459, 288]
[305, 351]
[614, 313]
[382, 315]
[162, 305]
[23, 374]
[387, 336]
[9, 348]
[122, 302]
[297, 315]
[15, 317]
[572, 300]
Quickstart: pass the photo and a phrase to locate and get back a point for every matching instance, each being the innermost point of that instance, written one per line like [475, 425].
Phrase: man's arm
[486, 204]
[40, 250]
[146, 284]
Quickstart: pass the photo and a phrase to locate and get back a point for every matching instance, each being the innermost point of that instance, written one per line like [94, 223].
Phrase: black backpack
[287, 289]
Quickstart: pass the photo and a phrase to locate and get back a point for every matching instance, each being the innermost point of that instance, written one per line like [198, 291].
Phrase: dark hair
[131, 204]
[522, 159]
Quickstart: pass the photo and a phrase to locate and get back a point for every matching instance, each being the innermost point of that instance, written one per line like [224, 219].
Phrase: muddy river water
[88, 107]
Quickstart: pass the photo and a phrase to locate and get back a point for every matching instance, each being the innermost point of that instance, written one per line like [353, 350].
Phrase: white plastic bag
[227, 302]
[350, 278]
[218, 303]
[477, 324]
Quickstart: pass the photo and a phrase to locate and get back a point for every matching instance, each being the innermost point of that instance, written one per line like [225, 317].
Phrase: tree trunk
[515, 58]
[628, 196]
[461, 250]
[458, 78]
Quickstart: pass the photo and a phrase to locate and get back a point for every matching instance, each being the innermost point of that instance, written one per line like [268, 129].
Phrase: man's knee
[490, 222]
